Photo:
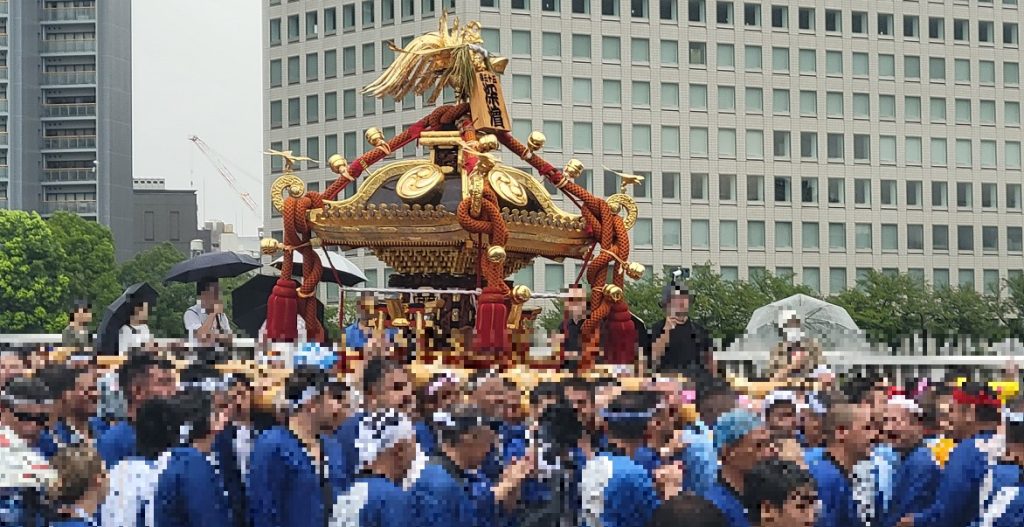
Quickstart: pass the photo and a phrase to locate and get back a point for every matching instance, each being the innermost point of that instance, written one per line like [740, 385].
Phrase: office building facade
[798, 138]
[67, 139]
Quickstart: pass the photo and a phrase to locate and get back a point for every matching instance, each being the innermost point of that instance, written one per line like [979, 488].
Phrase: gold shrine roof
[405, 212]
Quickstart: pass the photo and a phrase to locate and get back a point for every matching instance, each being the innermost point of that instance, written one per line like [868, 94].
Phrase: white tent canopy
[827, 323]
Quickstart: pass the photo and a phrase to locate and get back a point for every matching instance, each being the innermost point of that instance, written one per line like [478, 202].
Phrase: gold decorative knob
[614, 292]
[376, 139]
[487, 143]
[521, 294]
[535, 142]
[573, 169]
[337, 163]
[634, 270]
[270, 246]
[496, 254]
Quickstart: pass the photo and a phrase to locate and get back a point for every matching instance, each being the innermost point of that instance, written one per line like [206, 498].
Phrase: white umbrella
[348, 272]
[829, 324]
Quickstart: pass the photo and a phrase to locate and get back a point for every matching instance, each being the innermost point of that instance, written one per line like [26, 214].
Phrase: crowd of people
[157, 442]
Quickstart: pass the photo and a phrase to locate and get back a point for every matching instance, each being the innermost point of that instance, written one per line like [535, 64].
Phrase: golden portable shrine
[460, 220]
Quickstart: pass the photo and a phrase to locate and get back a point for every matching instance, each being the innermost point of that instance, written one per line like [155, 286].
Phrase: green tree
[962, 312]
[165, 319]
[90, 263]
[1015, 305]
[32, 297]
[890, 307]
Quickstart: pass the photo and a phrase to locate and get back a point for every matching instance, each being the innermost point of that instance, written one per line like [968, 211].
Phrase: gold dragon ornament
[447, 57]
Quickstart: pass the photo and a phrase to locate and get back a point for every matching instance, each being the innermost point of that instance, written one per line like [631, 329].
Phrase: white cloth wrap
[380, 431]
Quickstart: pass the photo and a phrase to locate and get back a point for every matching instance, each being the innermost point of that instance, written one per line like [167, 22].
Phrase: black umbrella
[119, 312]
[249, 304]
[211, 266]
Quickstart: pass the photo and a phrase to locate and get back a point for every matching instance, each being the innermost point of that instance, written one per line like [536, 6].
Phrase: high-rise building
[66, 114]
[799, 138]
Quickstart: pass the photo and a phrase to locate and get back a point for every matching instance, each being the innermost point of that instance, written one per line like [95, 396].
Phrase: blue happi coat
[286, 488]
[190, 492]
[914, 485]
[1005, 510]
[451, 497]
[835, 492]
[957, 500]
[616, 492]
[117, 443]
[729, 502]
[374, 501]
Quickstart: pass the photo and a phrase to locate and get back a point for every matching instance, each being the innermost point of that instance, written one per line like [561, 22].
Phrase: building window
[752, 15]
[862, 192]
[809, 236]
[936, 28]
[755, 235]
[698, 54]
[755, 144]
[670, 186]
[611, 49]
[859, 22]
[608, 8]
[275, 73]
[700, 234]
[727, 187]
[940, 238]
[783, 189]
[275, 32]
[837, 237]
[1013, 196]
[755, 189]
[667, 9]
[836, 191]
[915, 237]
[885, 24]
[699, 187]
[862, 237]
[809, 190]
[724, 13]
[671, 234]
[965, 238]
[915, 193]
[780, 17]
[697, 11]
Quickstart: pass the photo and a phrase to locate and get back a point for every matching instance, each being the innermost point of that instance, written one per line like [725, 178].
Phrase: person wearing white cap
[387, 449]
[917, 478]
[796, 355]
[780, 415]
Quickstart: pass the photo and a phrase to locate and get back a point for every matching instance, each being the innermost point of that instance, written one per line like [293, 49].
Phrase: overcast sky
[197, 70]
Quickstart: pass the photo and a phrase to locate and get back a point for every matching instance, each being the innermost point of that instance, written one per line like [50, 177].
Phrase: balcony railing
[77, 207]
[69, 46]
[69, 14]
[69, 142]
[3, 72]
[5, 172]
[4, 106]
[68, 175]
[64, 78]
[3, 139]
[4, 40]
[69, 110]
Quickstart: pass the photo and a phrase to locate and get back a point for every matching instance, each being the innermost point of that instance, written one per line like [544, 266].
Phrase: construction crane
[218, 164]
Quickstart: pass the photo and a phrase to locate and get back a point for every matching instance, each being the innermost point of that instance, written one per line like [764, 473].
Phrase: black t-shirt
[688, 346]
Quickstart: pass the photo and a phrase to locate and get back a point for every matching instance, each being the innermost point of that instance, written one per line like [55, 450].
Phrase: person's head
[157, 427]
[741, 439]
[512, 411]
[975, 408]
[812, 418]
[576, 302]
[80, 476]
[779, 493]
[443, 390]
[313, 393]
[1014, 418]
[466, 434]
[387, 384]
[241, 390]
[715, 398]
[201, 376]
[386, 443]
[937, 406]
[143, 377]
[789, 326]
[675, 299]
[365, 306]
[198, 419]
[629, 416]
[849, 430]
[488, 393]
[689, 510]
[140, 313]
[580, 393]
[73, 390]
[25, 407]
[544, 395]
[780, 413]
[208, 293]
[902, 426]
[11, 365]
[81, 313]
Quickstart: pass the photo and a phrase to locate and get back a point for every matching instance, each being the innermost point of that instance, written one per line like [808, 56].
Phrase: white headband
[310, 393]
[779, 396]
[1013, 417]
[446, 378]
[908, 404]
[380, 431]
[206, 385]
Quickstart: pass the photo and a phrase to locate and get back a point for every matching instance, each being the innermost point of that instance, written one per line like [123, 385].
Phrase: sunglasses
[29, 417]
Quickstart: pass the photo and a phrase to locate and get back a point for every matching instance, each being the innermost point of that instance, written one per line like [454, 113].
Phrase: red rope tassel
[282, 308]
[492, 339]
[621, 335]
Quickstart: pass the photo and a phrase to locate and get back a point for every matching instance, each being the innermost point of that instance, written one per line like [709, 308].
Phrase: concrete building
[220, 236]
[65, 112]
[801, 138]
[162, 215]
